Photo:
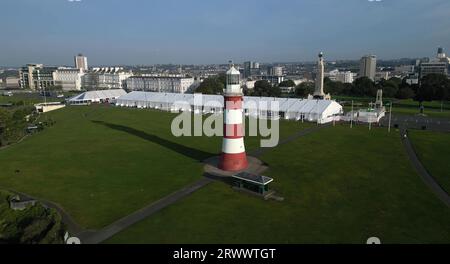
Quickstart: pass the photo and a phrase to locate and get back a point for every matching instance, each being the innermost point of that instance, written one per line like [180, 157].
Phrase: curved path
[426, 177]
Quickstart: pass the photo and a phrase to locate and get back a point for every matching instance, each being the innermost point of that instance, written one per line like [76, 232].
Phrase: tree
[397, 81]
[287, 83]
[405, 93]
[211, 85]
[222, 78]
[389, 87]
[303, 89]
[433, 87]
[332, 87]
[347, 89]
[364, 87]
[35, 224]
[5, 122]
[264, 88]
[21, 113]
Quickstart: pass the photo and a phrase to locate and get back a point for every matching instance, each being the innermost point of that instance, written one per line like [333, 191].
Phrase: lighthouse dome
[233, 84]
[233, 71]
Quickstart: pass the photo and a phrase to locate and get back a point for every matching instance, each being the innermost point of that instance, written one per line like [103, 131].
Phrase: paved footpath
[95, 237]
[426, 177]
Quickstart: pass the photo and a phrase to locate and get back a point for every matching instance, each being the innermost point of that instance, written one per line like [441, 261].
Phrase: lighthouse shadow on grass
[196, 154]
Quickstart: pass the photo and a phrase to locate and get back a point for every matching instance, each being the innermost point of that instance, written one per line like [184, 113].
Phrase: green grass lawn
[433, 149]
[340, 185]
[102, 163]
[432, 109]
[27, 98]
[431, 104]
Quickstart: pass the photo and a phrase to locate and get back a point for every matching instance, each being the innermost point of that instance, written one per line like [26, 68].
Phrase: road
[418, 122]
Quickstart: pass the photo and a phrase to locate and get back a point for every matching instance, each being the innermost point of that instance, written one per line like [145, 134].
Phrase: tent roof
[97, 95]
[313, 106]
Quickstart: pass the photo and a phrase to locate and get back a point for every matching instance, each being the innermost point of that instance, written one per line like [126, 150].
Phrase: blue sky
[214, 31]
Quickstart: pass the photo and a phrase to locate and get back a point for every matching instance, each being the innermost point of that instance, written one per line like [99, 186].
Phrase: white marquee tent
[321, 111]
[96, 96]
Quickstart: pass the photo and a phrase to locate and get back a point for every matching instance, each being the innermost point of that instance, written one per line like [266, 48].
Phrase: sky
[146, 32]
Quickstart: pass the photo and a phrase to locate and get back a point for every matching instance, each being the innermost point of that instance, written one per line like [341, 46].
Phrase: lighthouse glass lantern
[233, 81]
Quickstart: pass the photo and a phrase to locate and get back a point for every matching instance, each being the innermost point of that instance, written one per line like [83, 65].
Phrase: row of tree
[432, 87]
[361, 87]
[212, 85]
[33, 225]
[13, 123]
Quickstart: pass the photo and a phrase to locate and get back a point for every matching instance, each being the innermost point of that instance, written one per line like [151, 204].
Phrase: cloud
[73, 1]
[375, 1]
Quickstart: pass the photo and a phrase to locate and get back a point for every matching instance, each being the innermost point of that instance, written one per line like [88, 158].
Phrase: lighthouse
[233, 157]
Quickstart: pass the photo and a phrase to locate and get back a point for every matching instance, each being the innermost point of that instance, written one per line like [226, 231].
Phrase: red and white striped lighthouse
[233, 157]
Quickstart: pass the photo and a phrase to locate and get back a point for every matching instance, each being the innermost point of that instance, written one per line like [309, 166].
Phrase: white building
[106, 78]
[275, 71]
[382, 76]
[439, 65]
[405, 69]
[275, 80]
[81, 62]
[36, 76]
[69, 79]
[299, 81]
[162, 84]
[48, 107]
[12, 82]
[368, 66]
[343, 77]
[250, 84]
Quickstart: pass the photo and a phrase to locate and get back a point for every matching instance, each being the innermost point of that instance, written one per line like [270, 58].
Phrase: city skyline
[211, 33]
